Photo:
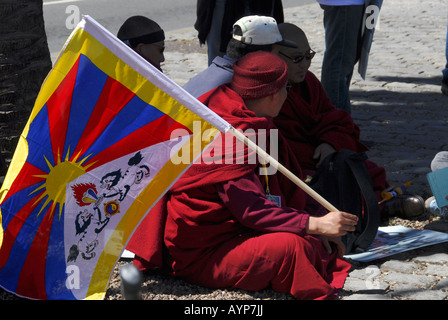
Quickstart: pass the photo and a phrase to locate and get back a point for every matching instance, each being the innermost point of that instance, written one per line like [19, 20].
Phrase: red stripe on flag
[32, 276]
[25, 178]
[58, 107]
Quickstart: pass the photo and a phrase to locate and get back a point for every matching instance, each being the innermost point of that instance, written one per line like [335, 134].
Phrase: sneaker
[404, 206]
[432, 207]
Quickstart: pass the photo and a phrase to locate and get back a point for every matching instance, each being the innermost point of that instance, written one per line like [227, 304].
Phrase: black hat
[139, 29]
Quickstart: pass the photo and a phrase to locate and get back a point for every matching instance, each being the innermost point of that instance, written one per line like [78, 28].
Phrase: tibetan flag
[92, 161]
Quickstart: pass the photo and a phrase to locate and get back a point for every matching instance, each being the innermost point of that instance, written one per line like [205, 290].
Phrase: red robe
[308, 118]
[221, 231]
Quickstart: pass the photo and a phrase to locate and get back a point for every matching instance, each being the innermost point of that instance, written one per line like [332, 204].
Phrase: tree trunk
[24, 63]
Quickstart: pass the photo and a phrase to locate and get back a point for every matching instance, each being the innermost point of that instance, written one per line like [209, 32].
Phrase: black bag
[344, 181]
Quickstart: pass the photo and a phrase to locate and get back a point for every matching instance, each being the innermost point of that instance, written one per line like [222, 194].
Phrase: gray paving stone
[354, 284]
[413, 293]
[358, 296]
[442, 285]
[409, 279]
[372, 285]
[438, 258]
[399, 266]
[368, 272]
[436, 270]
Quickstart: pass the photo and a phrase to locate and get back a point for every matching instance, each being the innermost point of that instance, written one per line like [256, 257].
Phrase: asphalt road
[61, 16]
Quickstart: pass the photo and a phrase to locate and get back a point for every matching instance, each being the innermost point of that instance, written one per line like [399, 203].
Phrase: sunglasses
[308, 56]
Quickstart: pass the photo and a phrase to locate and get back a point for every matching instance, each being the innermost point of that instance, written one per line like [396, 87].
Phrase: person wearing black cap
[145, 37]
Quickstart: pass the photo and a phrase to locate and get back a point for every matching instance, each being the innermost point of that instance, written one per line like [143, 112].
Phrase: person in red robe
[314, 127]
[221, 229]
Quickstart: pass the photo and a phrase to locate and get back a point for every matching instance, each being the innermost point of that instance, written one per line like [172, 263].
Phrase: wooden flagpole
[301, 184]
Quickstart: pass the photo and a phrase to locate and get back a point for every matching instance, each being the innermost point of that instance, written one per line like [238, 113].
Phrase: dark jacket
[234, 10]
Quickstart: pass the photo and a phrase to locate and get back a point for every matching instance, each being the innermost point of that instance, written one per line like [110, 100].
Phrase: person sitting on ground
[145, 37]
[250, 34]
[439, 162]
[315, 128]
[221, 230]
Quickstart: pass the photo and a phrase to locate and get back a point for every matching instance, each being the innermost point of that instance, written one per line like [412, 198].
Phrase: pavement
[399, 106]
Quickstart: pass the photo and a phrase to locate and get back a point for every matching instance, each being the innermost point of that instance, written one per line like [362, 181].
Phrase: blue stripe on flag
[55, 272]
[38, 147]
[87, 90]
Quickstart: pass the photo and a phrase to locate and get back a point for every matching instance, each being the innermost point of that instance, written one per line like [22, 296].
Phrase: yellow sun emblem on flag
[56, 180]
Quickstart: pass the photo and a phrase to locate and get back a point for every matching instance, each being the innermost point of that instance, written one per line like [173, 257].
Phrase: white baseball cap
[260, 30]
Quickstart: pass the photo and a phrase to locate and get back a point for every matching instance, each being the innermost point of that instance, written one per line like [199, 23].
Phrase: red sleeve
[246, 199]
[333, 125]
[308, 123]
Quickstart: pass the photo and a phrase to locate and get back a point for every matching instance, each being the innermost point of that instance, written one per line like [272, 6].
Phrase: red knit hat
[258, 75]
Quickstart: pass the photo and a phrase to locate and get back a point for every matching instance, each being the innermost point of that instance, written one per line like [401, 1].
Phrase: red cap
[258, 75]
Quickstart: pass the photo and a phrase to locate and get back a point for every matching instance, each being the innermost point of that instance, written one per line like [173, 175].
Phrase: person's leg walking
[214, 36]
[445, 71]
[342, 38]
